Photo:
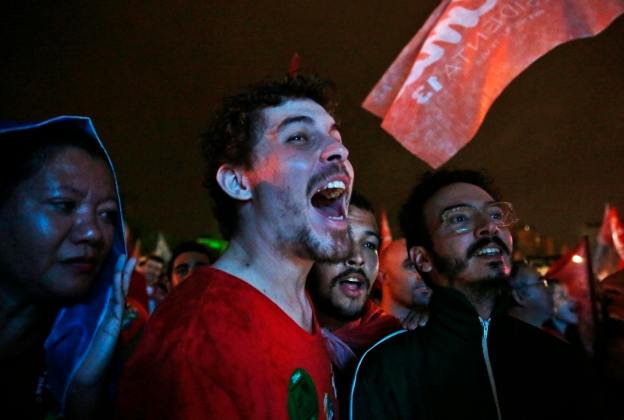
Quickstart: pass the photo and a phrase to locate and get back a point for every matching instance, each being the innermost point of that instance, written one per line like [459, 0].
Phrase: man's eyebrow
[454, 206]
[293, 120]
[375, 234]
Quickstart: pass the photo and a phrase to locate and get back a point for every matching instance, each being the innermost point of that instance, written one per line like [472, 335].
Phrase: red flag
[609, 255]
[435, 95]
[384, 230]
[574, 270]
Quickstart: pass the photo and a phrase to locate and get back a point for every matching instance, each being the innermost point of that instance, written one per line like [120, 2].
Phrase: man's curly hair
[236, 128]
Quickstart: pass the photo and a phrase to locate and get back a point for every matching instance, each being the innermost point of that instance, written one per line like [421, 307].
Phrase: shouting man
[239, 339]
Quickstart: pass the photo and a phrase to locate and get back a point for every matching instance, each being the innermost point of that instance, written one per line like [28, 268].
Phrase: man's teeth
[333, 189]
[352, 280]
[489, 251]
[336, 184]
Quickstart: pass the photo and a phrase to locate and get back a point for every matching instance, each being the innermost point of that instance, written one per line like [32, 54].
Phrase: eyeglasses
[464, 218]
[541, 282]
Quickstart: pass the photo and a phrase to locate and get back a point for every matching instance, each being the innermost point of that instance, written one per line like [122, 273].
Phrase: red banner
[609, 254]
[573, 270]
[435, 95]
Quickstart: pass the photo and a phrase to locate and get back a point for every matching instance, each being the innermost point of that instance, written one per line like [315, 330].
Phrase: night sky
[151, 75]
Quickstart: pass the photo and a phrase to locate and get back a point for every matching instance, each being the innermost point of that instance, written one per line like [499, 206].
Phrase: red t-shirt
[218, 348]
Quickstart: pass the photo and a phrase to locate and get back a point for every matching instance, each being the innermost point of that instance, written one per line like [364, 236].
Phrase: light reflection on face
[299, 153]
[58, 226]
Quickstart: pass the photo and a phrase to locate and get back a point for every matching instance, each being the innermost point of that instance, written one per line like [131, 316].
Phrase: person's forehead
[362, 221]
[190, 256]
[455, 195]
[396, 252]
[71, 171]
[276, 116]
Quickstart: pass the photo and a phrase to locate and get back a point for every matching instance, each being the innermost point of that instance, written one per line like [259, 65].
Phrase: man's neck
[483, 300]
[329, 322]
[518, 313]
[279, 277]
[391, 307]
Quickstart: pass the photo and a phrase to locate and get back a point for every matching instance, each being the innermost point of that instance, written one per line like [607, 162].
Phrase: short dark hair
[234, 132]
[152, 257]
[26, 151]
[190, 246]
[361, 202]
[411, 215]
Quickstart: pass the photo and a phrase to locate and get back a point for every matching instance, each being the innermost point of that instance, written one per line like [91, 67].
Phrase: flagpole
[593, 295]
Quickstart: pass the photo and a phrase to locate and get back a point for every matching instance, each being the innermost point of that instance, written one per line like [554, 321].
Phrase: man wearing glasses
[532, 298]
[471, 360]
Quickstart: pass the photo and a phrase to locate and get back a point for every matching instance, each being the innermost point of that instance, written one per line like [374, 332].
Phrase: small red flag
[384, 230]
[574, 270]
[435, 95]
[293, 66]
[609, 254]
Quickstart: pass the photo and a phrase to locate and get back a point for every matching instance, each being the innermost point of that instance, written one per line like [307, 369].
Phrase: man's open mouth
[488, 252]
[330, 199]
[352, 284]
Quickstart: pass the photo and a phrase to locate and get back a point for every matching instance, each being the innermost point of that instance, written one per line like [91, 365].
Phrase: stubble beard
[334, 250]
[478, 290]
[331, 305]
[307, 245]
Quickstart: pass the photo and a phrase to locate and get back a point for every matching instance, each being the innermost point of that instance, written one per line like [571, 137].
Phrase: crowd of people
[307, 314]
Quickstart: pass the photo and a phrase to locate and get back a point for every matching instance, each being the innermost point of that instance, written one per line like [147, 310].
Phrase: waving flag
[609, 254]
[574, 270]
[435, 95]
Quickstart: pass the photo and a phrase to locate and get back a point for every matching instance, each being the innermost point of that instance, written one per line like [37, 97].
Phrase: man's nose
[486, 226]
[334, 151]
[356, 259]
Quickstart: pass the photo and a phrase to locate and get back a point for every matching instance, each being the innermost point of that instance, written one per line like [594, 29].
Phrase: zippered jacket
[460, 366]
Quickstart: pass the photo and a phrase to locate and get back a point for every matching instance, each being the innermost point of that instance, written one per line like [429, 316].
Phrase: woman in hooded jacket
[63, 269]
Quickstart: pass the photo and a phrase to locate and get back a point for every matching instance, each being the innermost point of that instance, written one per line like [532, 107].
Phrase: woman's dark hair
[26, 151]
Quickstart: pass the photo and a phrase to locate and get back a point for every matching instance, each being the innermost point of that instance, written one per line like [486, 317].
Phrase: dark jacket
[441, 371]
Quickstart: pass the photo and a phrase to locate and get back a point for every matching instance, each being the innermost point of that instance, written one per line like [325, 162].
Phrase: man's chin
[333, 249]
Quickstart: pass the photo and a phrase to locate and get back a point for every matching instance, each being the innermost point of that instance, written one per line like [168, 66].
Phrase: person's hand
[86, 390]
[417, 317]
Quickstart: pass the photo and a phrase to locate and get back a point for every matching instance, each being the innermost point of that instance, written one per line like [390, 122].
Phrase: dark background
[151, 74]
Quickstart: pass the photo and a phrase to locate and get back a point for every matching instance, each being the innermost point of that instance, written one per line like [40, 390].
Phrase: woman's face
[57, 227]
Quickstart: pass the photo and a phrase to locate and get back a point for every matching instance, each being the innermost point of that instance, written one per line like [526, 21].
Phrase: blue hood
[75, 326]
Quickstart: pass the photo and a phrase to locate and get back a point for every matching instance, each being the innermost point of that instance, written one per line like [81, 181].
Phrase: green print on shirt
[302, 398]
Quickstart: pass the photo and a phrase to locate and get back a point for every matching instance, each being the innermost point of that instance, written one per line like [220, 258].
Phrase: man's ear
[234, 182]
[381, 277]
[517, 297]
[420, 257]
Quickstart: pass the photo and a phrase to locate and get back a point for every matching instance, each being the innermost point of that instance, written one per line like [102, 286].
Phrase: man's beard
[481, 288]
[335, 250]
[326, 304]
[306, 245]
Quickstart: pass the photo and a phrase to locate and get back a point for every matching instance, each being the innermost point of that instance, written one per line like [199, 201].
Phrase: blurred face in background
[400, 279]
[340, 290]
[186, 264]
[565, 306]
